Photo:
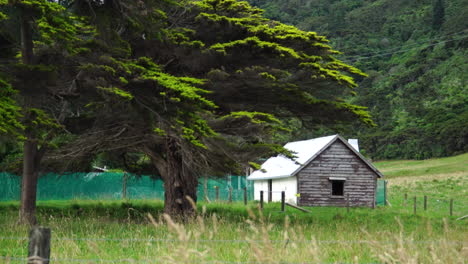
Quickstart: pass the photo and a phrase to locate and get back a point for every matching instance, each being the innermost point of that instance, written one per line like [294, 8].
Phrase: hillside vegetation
[415, 55]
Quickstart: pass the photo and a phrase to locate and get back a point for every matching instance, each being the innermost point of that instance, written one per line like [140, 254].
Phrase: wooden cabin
[325, 172]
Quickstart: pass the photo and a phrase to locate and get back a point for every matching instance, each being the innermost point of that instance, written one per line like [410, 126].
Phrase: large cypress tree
[204, 91]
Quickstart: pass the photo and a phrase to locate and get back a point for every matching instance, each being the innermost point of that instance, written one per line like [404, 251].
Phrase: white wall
[288, 185]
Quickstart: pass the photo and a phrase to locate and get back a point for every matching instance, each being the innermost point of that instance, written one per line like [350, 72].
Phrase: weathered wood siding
[337, 160]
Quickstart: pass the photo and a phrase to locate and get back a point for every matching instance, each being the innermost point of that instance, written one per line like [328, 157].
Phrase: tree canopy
[190, 88]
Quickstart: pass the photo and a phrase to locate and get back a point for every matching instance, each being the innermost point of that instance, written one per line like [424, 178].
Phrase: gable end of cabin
[333, 175]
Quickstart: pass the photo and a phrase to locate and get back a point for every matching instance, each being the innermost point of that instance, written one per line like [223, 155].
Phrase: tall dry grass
[259, 238]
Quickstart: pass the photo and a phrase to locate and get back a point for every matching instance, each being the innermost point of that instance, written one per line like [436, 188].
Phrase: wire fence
[400, 242]
[243, 241]
[114, 186]
[153, 261]
[429, 204]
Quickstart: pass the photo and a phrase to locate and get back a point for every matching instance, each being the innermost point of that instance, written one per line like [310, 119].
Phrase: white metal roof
[282, 167]
[305, 151]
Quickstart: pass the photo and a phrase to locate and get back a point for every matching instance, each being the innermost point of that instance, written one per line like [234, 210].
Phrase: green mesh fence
[381, 192]
[110, 186]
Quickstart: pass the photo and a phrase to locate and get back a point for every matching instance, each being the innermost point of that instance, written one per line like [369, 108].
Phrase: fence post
[385, 193]
[425, 202]
[124, 186]
[406, 198]
[261, 200]
[347, 202]
[451, 207]
[414, 208]
[283, 200]
[245, 195]
[217, 192]
[230, 195]
[39, 245]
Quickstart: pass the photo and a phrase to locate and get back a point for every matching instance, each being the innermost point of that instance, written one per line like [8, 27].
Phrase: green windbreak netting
[381, 192]
[110, 186]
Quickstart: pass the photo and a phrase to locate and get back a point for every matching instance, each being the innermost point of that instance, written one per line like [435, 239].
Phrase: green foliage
[116, 91]
[180, 86]
[255, 166]
[38, 120]
[10, 112]
[56, 26]
[438, 14]
[254, 117]
[256, 43]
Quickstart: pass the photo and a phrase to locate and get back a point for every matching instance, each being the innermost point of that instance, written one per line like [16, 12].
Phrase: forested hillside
[415, 55]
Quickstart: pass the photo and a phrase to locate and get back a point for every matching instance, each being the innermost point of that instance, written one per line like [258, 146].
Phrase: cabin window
[337, 187]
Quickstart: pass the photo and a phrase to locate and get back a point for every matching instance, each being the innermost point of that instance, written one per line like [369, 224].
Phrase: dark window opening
[338, 188]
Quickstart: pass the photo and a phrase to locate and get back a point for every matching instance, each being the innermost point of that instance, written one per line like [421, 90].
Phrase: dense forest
[414, 53]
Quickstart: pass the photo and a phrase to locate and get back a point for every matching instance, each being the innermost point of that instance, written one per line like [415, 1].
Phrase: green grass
[110, 231]
[405, 168]
[233, 232]
[440, 179]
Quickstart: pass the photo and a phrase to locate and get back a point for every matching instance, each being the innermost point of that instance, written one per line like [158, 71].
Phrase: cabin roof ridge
[307, 151]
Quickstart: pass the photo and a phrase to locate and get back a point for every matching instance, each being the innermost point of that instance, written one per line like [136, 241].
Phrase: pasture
[86, 231]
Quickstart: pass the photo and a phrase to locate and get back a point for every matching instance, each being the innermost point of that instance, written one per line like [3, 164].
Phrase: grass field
[122, 232]
[442, 178]
[441, 167]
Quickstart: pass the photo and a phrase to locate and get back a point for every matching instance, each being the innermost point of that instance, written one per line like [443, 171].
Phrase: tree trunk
[27, 212]
[179, 183]
[29, 183]
[27, 51]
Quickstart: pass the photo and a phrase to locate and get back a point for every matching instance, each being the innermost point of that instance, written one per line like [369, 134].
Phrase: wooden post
[39, 245]
[283, 200]
[124, 186]
[451, 207]
[270, 190]
[425, 202]
[230, 195]
[347, 202]
[414, 206]
[298, 208]
[205, 188]
[217, 192]
[245, 195]
[385, 193]
[261, 200]
[406, 199]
